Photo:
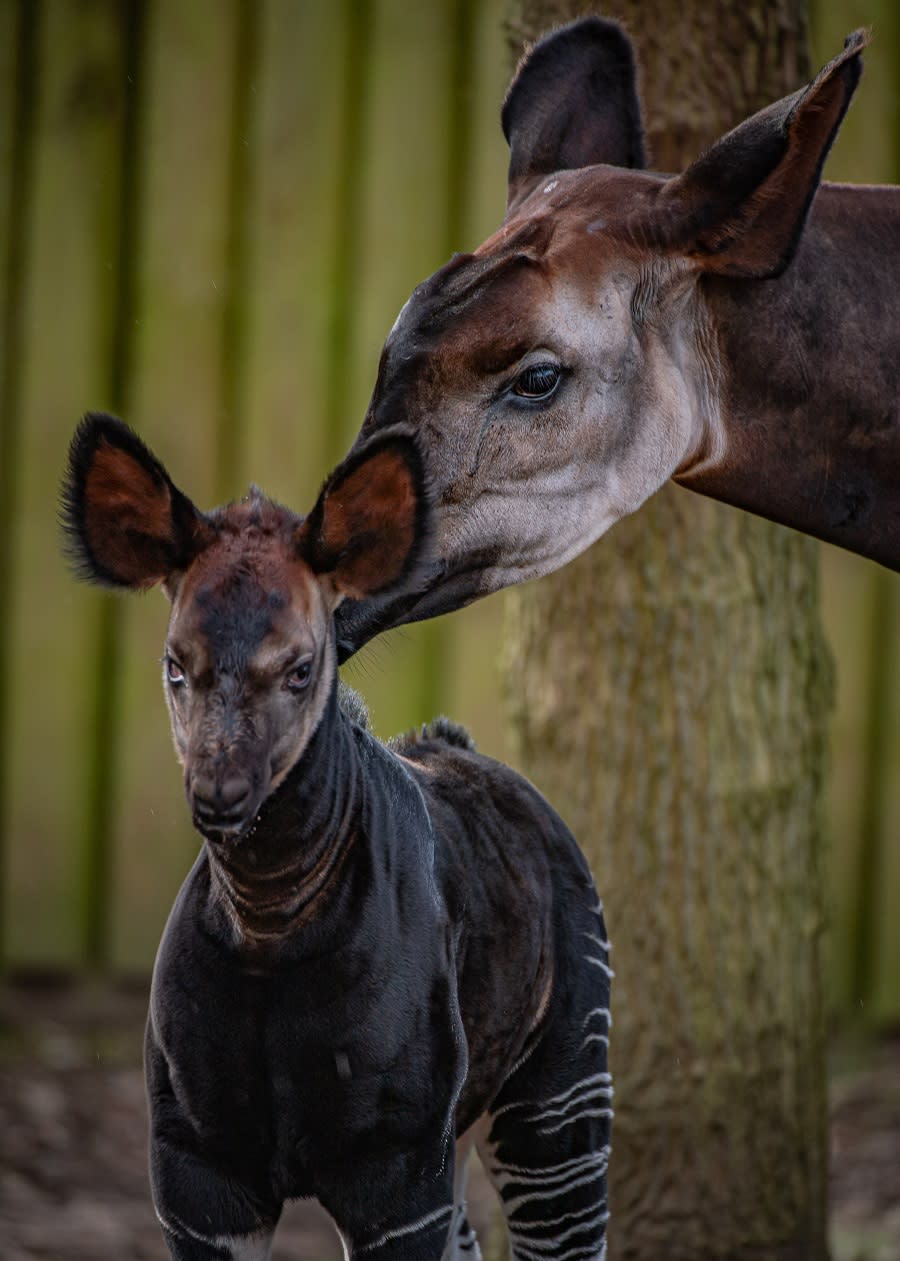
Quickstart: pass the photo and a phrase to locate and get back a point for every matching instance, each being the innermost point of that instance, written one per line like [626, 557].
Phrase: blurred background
[210, 214]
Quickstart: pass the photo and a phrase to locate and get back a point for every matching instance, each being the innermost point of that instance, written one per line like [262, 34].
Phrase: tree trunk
[669, 692]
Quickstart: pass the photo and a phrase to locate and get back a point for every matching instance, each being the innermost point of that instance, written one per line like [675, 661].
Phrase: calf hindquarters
[534, 985]
[547, 1144]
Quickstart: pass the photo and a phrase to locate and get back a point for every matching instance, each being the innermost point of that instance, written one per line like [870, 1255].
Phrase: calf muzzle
[221, 804]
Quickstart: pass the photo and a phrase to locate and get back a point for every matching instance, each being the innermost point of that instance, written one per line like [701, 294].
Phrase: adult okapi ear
[739, 209]
[126, 523]
[370, 529]
[573, 102]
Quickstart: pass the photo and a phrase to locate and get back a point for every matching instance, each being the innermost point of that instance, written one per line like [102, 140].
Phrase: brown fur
[732, 327]
[383, 492]
[117, 486]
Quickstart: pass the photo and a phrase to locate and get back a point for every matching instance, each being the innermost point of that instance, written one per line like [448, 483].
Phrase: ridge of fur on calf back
[441, 729]
[353, 705]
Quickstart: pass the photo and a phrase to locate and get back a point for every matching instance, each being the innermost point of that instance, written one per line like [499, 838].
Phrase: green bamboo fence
[210, 213]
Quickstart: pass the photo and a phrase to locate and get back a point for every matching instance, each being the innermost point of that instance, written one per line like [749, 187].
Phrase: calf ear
[126, 524]
[739, 209]
[573, 102]
[370, 528]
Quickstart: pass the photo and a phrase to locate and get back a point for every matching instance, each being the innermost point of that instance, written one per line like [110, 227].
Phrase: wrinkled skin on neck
[810, 380]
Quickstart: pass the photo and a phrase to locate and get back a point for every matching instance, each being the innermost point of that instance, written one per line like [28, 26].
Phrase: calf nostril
[202, 791]
[233, 791]
[213, 799]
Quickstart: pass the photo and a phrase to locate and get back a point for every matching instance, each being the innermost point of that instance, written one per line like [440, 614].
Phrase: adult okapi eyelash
[538, 381]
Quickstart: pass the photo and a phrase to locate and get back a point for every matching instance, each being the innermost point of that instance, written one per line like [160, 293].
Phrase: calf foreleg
[422, 1239]
[184, 1247]
[394, 1209]
[205, 1216]
[205, 1213]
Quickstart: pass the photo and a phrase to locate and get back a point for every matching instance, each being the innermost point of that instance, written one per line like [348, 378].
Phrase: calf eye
[174, 672]
[538, 381]
[298, 678]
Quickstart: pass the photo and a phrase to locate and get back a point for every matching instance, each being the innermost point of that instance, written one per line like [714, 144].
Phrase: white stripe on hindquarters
[599, 1215]
[548, 1183]
[599, 1011]
[549, 1173]
[599, 963]
[550, 1247]
[596, 1085]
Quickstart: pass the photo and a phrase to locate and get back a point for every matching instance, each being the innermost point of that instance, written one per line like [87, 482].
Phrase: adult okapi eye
[298, 677]
[174, 672]
[539, 381]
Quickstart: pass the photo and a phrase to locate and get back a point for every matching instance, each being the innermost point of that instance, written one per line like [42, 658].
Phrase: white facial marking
[639, 404]
[548, 188]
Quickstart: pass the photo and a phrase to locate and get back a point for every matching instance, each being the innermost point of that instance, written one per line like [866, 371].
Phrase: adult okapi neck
[282, 875]
[810, 380]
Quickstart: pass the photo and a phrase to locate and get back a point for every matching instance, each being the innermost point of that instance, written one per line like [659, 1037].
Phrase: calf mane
[441, 729]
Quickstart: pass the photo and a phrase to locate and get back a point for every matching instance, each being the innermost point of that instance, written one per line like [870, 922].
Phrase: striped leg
[549, 1141]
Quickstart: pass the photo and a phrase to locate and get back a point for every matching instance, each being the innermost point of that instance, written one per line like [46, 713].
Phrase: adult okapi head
[561, 373]
[250, 651]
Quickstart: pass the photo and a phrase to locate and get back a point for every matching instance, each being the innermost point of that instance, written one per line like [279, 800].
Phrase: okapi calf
[733, 327]
[379, 949]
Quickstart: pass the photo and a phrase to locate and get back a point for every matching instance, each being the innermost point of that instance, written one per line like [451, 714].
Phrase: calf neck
[732, 327]
[382, 956]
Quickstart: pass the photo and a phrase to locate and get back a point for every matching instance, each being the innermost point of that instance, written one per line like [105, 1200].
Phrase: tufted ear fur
[739, 209]
[371, 525]
[126, 523]
[573, 103]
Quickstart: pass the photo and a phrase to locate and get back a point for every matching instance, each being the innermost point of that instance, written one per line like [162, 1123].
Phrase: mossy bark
[669, 692]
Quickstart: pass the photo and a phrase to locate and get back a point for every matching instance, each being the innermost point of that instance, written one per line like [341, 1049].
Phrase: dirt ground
[73, 1132]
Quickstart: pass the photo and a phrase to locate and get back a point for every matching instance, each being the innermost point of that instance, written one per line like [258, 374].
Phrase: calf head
[249, 656]
[564, 370]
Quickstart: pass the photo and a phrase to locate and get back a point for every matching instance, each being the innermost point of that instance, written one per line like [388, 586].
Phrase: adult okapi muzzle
[729, 327]
[249, 650]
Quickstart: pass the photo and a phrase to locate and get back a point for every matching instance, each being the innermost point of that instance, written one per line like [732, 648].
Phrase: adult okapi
[382, 956]
[733, 327]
